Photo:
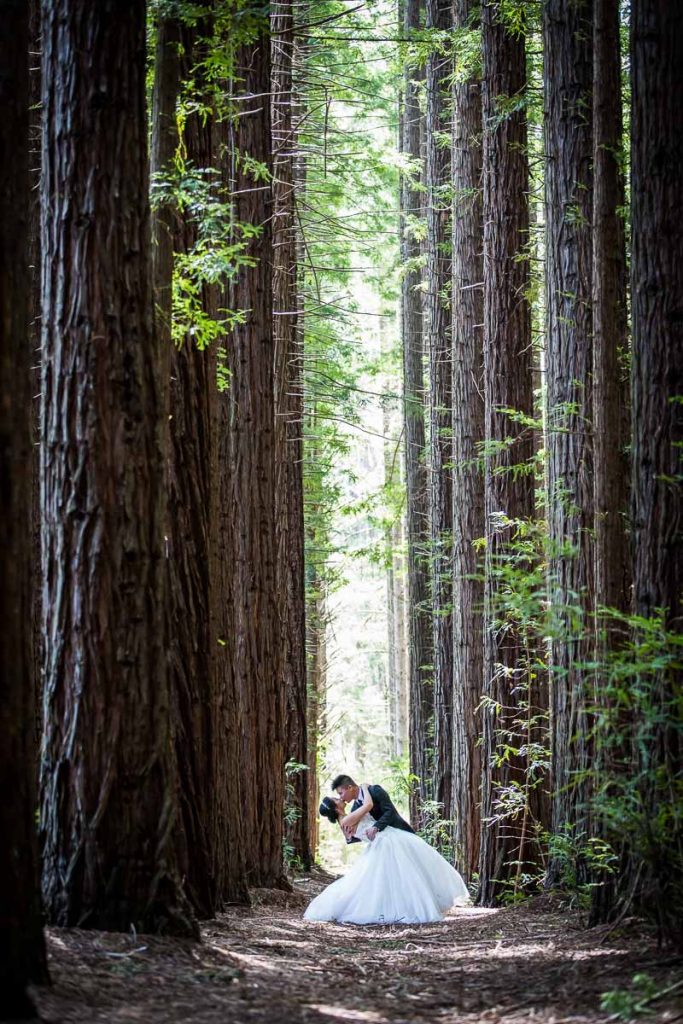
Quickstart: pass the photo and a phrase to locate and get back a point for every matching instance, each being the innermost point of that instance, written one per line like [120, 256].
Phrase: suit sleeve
[381, 797]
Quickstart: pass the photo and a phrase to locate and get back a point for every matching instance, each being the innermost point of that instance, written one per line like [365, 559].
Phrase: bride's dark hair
[328, 809]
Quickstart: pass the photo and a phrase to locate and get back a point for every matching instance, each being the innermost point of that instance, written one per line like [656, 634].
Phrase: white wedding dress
[398, 879]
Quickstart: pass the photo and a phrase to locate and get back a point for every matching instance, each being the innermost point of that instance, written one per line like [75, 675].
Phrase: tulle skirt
[399, 879]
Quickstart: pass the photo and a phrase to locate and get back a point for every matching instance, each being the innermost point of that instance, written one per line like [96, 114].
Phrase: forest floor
[534, 964]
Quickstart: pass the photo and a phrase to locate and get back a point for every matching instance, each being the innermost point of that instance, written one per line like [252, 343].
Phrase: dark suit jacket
[384, 812]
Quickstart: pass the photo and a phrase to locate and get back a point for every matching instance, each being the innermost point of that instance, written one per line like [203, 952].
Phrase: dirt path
[264, 964]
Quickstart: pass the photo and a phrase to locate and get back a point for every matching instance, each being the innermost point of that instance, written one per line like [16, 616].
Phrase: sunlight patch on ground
[469, 912]
[344, 1013]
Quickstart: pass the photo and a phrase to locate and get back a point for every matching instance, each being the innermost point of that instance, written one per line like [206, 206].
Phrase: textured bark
[657, 305]
[656, 388]
[417, 517]
[250, 357]
[288, 435]
[567, 85]
[610, 386]
[22, 951]
[468, 479]
[164, 142]
[109, 778]
[35, 141]
[506, 843]
[611, 405]
[438, 344]
[206, 737]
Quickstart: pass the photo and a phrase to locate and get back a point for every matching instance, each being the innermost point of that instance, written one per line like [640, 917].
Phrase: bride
[399, 879]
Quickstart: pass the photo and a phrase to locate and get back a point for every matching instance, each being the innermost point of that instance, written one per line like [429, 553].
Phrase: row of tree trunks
[22, 952]
[417, 526]
[468, 432]
[568, 71]
[506, 840]
[438, 344]
[108, 786]
[254, 634]
[289, 398]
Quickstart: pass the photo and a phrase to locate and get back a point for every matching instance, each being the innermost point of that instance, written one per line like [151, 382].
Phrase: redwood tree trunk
[610, 385]
[288, 438]
[22, 951]
[508, 359]
[250, 357]
[611, 405]
[568, 188]
[468, 480]
[657, 303]
[438, 339]
[200, 673]
[109, 778]
[656, 389]
[417, 516]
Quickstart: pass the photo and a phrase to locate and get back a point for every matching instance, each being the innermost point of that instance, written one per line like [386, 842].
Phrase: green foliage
[630, 1004]
[638, 732]
[292, 814]
[437, 831]
[577, 857]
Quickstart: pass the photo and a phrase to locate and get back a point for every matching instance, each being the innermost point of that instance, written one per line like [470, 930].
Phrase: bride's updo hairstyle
[328, 809]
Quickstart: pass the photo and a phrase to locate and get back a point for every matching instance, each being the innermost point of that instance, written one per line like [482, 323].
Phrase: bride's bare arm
[352, 819]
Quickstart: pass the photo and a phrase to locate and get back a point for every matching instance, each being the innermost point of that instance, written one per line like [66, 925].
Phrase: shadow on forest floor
[265, 964]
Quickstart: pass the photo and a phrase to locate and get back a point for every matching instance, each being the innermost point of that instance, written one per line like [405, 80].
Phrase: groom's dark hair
[342, 780]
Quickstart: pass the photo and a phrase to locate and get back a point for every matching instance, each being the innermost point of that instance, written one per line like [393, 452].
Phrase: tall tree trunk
[438, 343]
[610, 384]
[288, 436]
[22, 950]
[568, 189]
[656, 390]
[183, 622]
[35, 142]
[109, 778]
[250, 357]
[417, 518]
[611, 426]
[468, 479]
[506, 840]
[206, 741]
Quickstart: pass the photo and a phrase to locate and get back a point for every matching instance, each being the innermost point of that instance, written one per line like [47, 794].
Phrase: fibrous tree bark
[611, 404]
[184, 624]
[417, 516]
[288, 437]
[201, 678]
[611, 426]
[250, 360]
[468, 433]
[507, 833]
[22, 951]
[568, 189]
[438, 344]
[656, 390]
[109, 777]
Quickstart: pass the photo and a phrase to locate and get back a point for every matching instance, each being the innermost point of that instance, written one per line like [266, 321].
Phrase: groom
[382, 809]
